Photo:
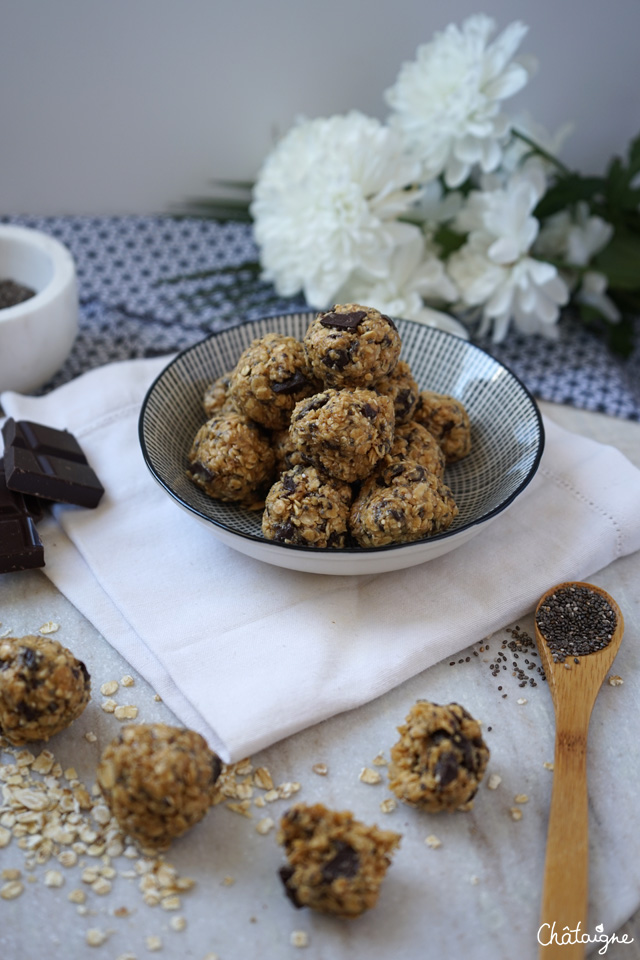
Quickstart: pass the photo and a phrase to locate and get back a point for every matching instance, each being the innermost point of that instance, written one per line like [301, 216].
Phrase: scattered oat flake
[96, 937]
[127, 680]
[299, 938]
[548, 765]
[614, 680]
[367, 775]
[321, 769]
[522, 700]
[77, 896]
[53, 878]
[109, 688]
[90, 736]
[11, 890]
[516, 813]
[171, 903]
[242, 808]
[153, 943]
[126, 956]
[228, 881]
[521, 798]
[263, 779]
[380, 760]
[494, 781]
[10, 874]
[158, 699]
[49, 627]
[265, 825]
[71, 773]
[5, 837]
[109, 705]
[474, 881]
[178, 923]
[433, 841]
[127, 712]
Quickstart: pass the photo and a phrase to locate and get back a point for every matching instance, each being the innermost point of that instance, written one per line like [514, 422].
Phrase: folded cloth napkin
[247, 653]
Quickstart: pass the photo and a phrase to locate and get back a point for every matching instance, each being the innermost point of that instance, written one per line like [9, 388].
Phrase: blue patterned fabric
[126, 310]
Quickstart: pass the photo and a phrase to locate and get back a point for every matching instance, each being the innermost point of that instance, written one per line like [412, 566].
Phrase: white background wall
[124, 106]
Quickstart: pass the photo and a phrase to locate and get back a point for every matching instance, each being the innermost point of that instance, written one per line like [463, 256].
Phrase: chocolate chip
[343, 321]
[336, 359]
[368, 411]
[285, 874]
[389, 321]
[345, 863]
[446, 769]
[292, 385]
[28, 658]
[288, 483]
[216, 767]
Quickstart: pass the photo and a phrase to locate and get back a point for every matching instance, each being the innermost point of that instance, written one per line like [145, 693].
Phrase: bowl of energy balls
[341, 441]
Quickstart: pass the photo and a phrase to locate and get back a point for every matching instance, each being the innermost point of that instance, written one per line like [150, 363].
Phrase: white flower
[593, 293]
[325, 205]
[494, 269]
[415, 272]
[447, 101]
[517, 149]
[574, 237]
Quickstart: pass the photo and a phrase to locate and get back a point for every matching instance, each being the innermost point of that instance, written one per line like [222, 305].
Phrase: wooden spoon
[574, 688]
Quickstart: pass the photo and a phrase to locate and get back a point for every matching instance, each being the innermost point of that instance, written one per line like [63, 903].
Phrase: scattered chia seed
[12, 293]
[575, 621]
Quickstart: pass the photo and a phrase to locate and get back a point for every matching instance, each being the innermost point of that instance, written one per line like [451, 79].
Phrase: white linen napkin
[248, 653]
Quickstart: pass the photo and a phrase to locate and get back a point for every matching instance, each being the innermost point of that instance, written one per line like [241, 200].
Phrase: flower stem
[541, 151]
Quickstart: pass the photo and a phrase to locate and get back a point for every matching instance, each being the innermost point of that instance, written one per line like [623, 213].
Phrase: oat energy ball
[344, 432]
[286, 452]
[232, 459]
[43, 688]
[440, 758]
[401, 503]
[412, 441]
[448, 421]
[158, 781]
[403, 390]
[216, 397]
[308, 508]
[270, 377]
[335, 863]
[352, 346]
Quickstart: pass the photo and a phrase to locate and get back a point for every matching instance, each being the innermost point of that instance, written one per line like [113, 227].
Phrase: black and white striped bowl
[506, 430]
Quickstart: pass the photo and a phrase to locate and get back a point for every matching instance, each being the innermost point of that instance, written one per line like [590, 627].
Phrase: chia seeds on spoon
[12, 293]
[575, 621]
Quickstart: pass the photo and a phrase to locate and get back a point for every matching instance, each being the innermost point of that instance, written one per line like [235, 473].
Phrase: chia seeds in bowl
[12, 293]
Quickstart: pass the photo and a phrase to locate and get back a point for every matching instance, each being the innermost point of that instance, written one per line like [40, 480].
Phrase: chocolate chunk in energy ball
[440, 759]
[43, 688]
[292, 385]
[49, 463]
[12, 293]
[343, 321]
[20, 544]
[335, 863]
[158, 781]
[575, 621]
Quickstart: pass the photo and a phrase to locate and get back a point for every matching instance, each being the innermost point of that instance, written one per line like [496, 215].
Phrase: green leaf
[620, 260]
[216, 208]
[569, 190]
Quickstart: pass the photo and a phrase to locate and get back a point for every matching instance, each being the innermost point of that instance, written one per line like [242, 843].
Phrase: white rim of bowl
[62, 261]
[340, 551]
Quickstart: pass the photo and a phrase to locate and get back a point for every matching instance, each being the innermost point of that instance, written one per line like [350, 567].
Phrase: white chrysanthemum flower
[325, 205]
[494, 268]
[593, 293]
[446, 103]
[415, 273]
[516, 149]
[574, 237]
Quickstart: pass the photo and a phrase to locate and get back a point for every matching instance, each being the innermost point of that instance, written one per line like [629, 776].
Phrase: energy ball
[403, 390]
[232, 459]
[270, 377]
[401, 503]
[352, 346]
[412, 441]
[43, 688]
[448, 421]
[308, 508]
[344, 432]
[158, 781]
[286, 452]
[216, 397]
[335, 863]
[440, 758]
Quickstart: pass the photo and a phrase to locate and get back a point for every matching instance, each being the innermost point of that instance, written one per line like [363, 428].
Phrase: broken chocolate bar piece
[48, 463]
[343, 321]
[20, 544]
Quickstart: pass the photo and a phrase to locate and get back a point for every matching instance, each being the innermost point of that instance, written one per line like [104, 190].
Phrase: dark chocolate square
[20, 544]
[49, 463]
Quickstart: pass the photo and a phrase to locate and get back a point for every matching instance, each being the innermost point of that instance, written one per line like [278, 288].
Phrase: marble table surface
[476, 895]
